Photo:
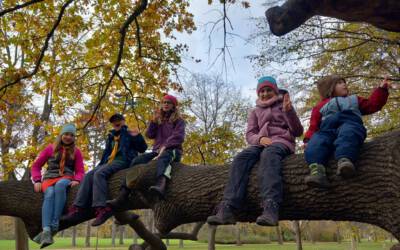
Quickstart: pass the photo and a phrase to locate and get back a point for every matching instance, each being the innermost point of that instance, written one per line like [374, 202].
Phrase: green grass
[65, 243]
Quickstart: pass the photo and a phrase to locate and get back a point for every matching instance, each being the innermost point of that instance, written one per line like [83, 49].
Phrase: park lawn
[65, 244]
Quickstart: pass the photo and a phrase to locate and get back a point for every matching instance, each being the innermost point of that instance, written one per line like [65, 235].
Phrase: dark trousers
[342, 133]
[163, 162]
[269, 174]
[93, 190]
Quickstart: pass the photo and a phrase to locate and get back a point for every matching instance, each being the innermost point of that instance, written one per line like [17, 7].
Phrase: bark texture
[384, 14]
[371, 197]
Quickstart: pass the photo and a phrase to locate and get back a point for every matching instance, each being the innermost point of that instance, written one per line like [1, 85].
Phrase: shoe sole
[219, 223]
[346, 171]
[266, 223]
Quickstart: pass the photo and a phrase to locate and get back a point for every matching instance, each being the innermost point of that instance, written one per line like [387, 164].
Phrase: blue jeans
[53, 204]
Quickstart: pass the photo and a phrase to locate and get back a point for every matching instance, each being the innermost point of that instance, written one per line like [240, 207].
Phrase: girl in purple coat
[167, 128]
[271, 130]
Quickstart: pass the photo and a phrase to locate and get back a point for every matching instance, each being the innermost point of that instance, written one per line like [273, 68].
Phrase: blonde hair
[70, 149]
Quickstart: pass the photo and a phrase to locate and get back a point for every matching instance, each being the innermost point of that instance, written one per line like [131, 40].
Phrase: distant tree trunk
[338, 234]
[113, 233]
[21, 237]
[279, 235]
[211, 237]
[62, 234]
[167, 242]
[297, 232]
[238, 242]
[121, 230]
[135, 238]
[180, 243]
[74, 236]
[88, 232]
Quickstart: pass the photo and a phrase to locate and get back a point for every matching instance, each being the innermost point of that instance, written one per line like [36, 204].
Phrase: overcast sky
[244, 75]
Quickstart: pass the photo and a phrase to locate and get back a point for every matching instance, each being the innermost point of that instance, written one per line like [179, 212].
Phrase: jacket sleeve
[252, 132]
[79, 168]
[315, 122]
[106, 152]
[138, 143]
[178, 135]
[39, 163]
[375, 102]
[294, 123]
[151, 131]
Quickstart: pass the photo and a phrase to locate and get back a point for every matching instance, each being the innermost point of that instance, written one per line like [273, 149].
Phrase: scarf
[115, 149]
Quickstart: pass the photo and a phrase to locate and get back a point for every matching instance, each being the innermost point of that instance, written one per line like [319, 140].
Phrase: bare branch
[19, 6]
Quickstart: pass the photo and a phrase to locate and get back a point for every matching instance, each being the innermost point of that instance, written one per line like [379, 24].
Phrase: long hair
[70, 149]
[171, 117]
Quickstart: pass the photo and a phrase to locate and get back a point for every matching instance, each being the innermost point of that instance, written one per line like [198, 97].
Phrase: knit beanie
[172, 99]
[267, 81]
[68, 128]
[326, 85]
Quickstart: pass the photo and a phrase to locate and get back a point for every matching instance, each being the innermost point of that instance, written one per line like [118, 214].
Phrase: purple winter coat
[168, 134]
[269, 120]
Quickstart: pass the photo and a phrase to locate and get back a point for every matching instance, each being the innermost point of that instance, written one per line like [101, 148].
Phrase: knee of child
[49, 193]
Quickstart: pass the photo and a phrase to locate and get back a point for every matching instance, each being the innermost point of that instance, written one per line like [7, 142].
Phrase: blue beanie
[68, 128]
[267, 81]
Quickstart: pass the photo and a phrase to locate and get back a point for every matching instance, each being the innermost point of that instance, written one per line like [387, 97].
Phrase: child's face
[266, 93]
[117, 125]
[67, 138]
[341, 89]
[167, 105]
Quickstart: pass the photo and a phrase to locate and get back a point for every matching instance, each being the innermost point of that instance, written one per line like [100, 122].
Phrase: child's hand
[160, 152]
[287, 104]
[74, 183]
[385, 83]
[265, 141]
[37, 187]
[156, 115]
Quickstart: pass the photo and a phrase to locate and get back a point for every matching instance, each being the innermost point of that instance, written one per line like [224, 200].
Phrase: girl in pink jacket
[271, 130]
[64, 168]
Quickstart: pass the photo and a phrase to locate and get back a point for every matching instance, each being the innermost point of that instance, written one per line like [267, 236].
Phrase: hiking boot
[38, 238]
[345, 168]
[75, 214]
[159, 188]
[270, 215]
[317, 177]
[46, 239]
[120, 201]
[102, 215]
[224, 216]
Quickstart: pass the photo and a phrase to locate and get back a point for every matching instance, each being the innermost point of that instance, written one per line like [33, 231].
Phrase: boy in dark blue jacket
[122, 146]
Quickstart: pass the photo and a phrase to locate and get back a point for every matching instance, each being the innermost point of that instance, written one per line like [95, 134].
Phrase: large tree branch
[373, 196]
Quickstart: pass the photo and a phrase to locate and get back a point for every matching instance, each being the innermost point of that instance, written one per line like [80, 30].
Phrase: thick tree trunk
[293, 13]
[194, 191]
[21, 237]
[212, 230]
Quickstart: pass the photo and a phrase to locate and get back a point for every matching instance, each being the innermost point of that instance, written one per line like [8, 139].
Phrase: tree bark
[21, 237]
[293, 13]
[279, 235]
[211, 237]
[297, 232]
[370, 197]
[88, 232]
